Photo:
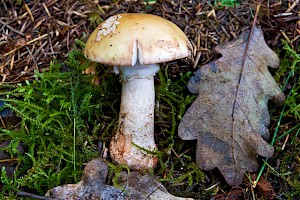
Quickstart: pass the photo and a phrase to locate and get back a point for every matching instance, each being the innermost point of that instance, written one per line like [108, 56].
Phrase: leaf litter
[230, 116]
[26, 22]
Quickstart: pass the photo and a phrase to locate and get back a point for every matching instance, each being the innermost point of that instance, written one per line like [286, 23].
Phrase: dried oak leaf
[230, 115]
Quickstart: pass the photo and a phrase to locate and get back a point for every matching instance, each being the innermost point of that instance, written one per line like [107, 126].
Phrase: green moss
[287, 171]
[62, 118]
[177, 167]
[226, 3]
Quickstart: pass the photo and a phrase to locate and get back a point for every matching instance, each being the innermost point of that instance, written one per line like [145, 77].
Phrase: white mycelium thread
[109, 26]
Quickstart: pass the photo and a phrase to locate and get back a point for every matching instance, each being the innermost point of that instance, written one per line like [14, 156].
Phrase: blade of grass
[74, 144]
[276, 131]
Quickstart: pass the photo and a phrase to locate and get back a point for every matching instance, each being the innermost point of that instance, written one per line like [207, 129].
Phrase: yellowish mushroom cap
[124, 39]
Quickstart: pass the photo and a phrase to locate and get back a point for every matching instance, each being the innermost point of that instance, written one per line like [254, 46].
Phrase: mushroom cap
[124, 39]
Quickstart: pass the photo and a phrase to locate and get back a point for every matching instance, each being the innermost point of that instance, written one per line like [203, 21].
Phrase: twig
[213, 186]
[198, 55]
[252, 192]
[8, 160]
[283, 14]
[292, 6]
[27, 43]
[12, 63]
[11, 28]
[46, 9]
[29, 12]
[286, 38]
[284, 143]
[3, 123]
[34, 196]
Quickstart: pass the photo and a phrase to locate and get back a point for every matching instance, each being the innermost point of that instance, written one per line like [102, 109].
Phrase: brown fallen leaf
[230, 115]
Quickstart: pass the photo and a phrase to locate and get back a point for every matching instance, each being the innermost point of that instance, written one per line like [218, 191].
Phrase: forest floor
[36, 37]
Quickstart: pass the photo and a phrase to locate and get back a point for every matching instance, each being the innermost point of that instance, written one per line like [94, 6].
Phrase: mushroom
[134, 43]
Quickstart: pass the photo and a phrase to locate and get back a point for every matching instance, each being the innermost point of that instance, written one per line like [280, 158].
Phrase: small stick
[283, 14]
[286, 38]
[12, 62]
[183, 153]
[46, 9]
[9, 159]
[38, 38]
[292, 6]
[34, 196]
[50, 3]
[3, 124]
[29, 12]
[197, 59]
[11, 28]
[252, 192]
[285, 141]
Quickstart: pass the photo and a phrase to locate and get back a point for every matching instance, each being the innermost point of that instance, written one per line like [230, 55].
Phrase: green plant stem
[272, 142]
[288, 132]
[74, 144]
[291, 74]
[275, 133]
[296, 135]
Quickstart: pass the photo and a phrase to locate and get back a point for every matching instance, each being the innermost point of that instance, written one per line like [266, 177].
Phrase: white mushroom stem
[135, 132]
